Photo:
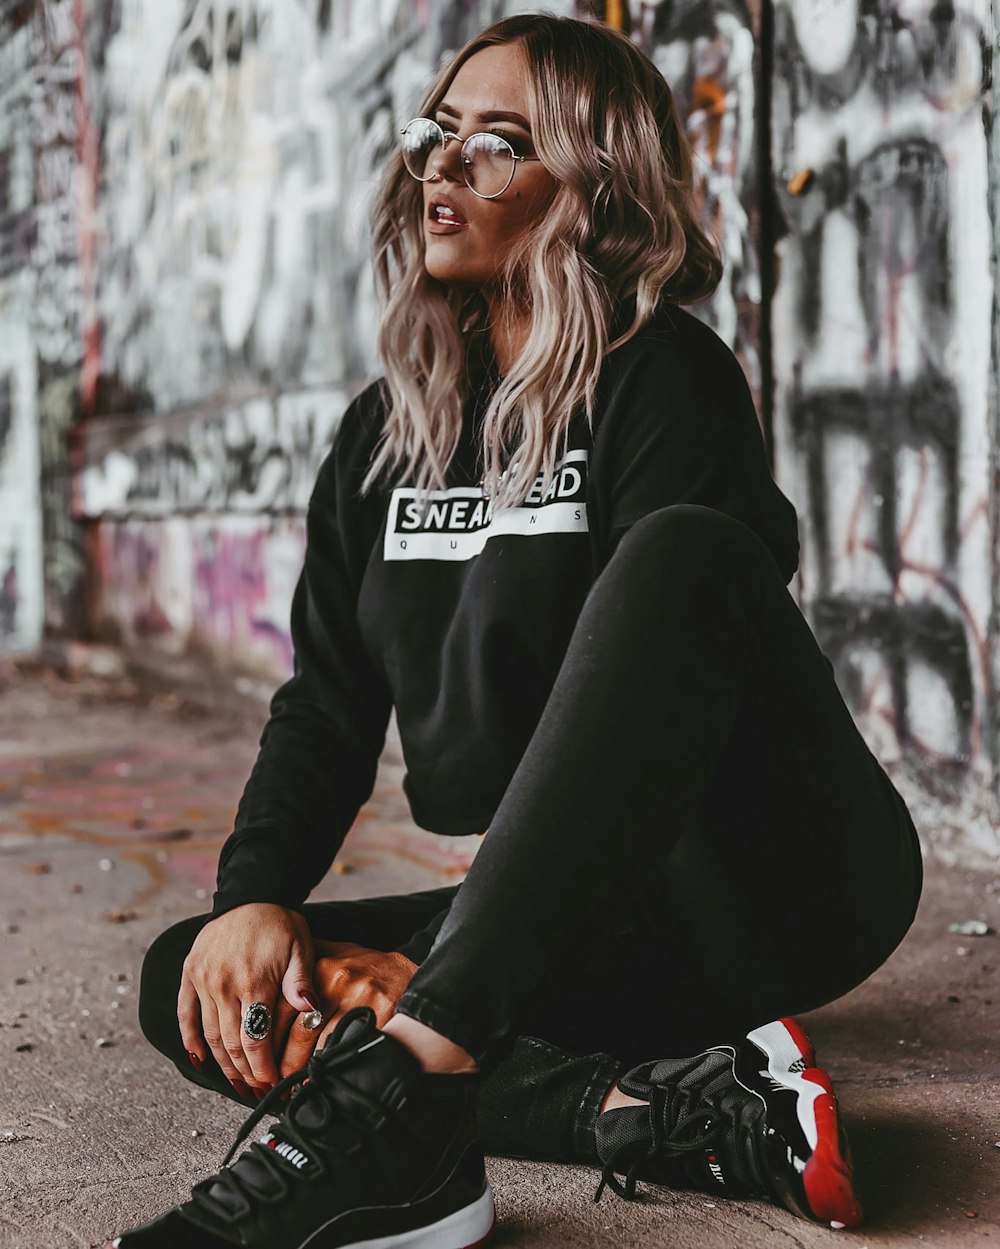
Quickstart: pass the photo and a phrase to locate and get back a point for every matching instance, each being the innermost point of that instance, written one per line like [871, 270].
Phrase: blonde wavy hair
[621, 234]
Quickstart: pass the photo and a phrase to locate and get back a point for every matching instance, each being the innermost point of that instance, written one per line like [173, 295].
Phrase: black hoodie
[459, 616]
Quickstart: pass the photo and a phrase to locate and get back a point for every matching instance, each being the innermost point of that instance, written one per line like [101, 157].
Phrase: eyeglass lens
[487, 159]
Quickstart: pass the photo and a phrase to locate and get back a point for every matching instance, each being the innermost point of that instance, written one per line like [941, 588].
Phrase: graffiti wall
[20, 498]
[21, 591]
[43, 164]
[185, 188]
[706, 51]
[882, 333]
[240, 144]
[218, 585]
[259, 456]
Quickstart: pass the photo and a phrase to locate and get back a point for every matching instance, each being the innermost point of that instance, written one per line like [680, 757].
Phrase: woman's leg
[695, 763]
[692, 697]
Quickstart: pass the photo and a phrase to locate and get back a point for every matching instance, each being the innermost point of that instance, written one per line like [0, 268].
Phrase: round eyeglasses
[488, 160]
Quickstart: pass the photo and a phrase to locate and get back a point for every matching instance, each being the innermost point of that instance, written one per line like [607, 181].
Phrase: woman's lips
[443, 217]
[445, 227]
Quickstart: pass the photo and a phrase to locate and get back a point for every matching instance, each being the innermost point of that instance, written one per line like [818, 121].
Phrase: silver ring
[312, 1019]
[257, 1021]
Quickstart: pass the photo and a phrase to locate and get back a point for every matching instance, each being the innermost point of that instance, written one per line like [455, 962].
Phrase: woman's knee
[160, 980]
[686, 549]
[690, 530]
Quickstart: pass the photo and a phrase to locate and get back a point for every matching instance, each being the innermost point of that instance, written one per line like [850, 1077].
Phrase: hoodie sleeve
[320, 747]
[680, 427]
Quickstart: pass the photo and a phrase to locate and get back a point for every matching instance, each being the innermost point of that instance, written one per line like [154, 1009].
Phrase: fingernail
[241, 1088]
[195, 1060]
[311, 999]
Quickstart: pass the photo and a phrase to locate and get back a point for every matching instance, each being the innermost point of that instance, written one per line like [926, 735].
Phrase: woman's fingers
[256, 1053]
[328, 1028]
[189, 1019]
[252, 1056]
[301, 1043]
[212, 1031]
[284, 1016]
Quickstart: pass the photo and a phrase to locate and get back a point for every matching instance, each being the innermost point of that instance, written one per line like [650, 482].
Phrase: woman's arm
[316, 766]
[320, 748]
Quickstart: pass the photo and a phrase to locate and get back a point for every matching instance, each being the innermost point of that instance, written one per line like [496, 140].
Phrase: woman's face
[488, 93]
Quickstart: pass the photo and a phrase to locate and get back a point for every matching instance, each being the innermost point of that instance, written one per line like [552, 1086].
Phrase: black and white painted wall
[240, 144]
[186, 309]
[883, 329]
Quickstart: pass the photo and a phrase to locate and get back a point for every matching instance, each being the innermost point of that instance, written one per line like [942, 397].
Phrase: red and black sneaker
[371, 1151]
[754, 1119]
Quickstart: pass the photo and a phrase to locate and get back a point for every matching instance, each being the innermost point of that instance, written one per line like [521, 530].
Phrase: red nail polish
[241, 1088]
[195, 1060]
[311, 999]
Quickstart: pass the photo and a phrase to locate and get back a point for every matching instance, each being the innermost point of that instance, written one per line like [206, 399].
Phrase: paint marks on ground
[168, 803]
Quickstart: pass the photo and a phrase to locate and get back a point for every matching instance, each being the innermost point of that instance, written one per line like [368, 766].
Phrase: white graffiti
[256, 457]
[21, 595]
[242, 142]
[882, 329]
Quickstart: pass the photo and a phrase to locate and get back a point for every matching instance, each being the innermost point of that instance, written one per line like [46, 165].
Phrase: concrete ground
[115, 795]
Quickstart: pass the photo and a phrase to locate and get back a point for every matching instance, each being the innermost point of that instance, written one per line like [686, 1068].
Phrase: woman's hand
[253, 953]
[347, 976]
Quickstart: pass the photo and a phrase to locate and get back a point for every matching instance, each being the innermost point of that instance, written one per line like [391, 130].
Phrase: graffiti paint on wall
[705, 50]
[221, 586]
[241, 143]
[259, 456]
[883, 338]
[238, 145]
[20, 548]
[20, 506]
[42, 109]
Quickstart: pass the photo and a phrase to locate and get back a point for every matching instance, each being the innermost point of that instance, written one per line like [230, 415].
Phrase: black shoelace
[692, 1131]
[230, 1194]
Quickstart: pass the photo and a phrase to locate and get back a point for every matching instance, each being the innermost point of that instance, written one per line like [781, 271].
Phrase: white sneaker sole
[827, 1182]
[464, 1229]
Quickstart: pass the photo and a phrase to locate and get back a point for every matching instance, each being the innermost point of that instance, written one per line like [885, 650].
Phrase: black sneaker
[370, 1151]
[755, 1119]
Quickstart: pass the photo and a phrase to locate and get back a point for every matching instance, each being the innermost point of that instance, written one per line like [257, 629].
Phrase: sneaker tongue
[630, 1128]
[368, 1062]
[691, 1075]
[376, 1068]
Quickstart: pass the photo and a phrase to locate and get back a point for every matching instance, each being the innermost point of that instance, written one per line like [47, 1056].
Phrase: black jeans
[697, 840]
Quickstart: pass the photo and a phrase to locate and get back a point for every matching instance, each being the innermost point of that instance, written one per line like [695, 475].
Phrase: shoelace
[714, 1118]
[678, 1141]
[235, 1192]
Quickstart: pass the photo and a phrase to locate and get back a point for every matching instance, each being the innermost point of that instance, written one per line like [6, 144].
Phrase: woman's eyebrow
[491, 115]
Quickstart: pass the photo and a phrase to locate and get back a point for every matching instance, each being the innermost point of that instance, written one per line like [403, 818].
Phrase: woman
[550, 540]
